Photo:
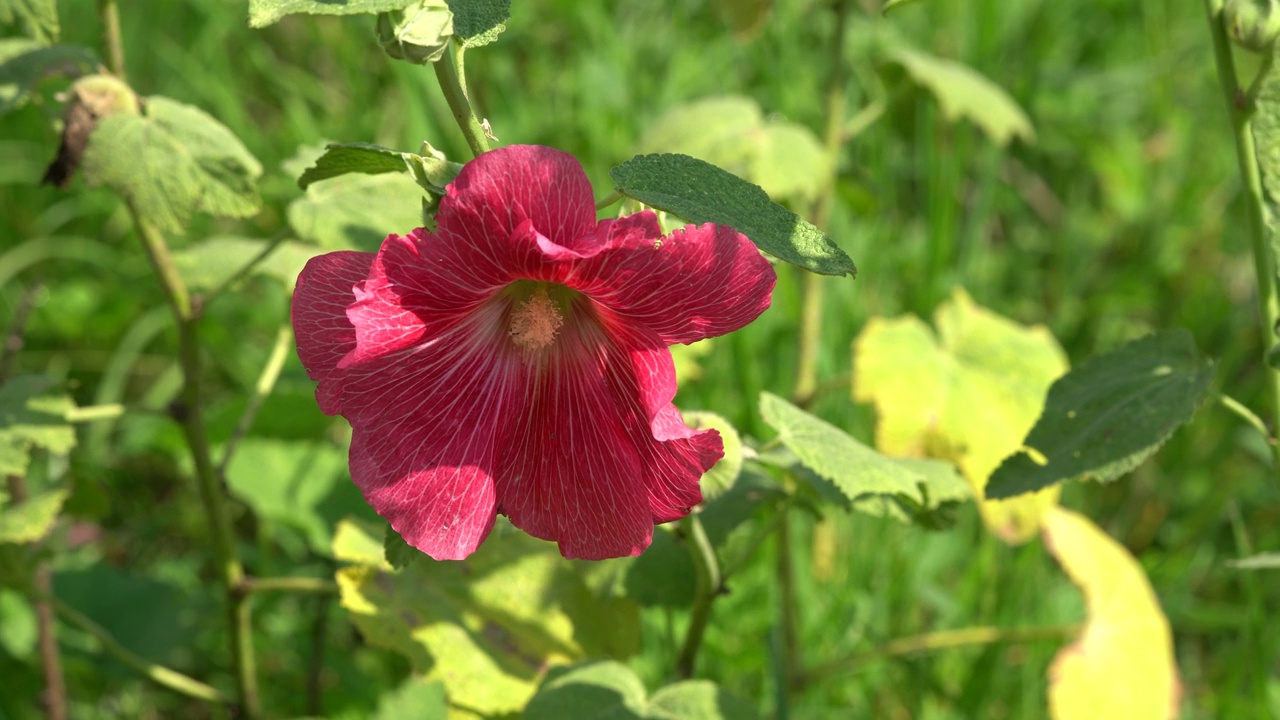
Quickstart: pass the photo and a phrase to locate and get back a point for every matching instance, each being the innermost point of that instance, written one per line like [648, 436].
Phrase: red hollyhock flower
[515, 361]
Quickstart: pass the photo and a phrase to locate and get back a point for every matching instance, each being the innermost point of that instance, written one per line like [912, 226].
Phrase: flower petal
[320, 323]
[698, 282]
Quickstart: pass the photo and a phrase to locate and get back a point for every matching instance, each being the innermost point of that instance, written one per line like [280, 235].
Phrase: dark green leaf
[265, 12]
[37, 18]
[663, 575]
[25, 63]
[479, 22]
[431, 171]
[703, 193]
[1110, 413]
[172, 161]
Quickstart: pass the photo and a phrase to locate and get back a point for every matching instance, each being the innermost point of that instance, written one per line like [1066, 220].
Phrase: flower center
[535, 321]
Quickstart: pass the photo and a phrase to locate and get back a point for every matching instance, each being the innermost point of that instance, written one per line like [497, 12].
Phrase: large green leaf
[265, 12]
[1109, 414]
[37, 18]
[479, 22]
[967, 394]
[488, 626]
[703, 193]
[963, 93]
[172, 161]
[346, 209]
[431, 170]
[607, 690]
[1123, 661]
[24, 63]
[32, 417]
[210, 262]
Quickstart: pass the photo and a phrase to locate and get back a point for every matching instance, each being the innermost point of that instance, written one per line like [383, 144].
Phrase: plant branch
[266, 382]
[455, 93]
[318, 586]
[1240, 111]
[708, 588]
[113, 48]
[1247, 415]
[55, 686]
[189, 413]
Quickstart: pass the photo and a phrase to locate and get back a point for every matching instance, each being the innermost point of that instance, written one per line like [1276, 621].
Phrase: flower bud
[419, 33]
[1253, 24]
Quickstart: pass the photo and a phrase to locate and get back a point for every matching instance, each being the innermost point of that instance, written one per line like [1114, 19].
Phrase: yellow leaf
[1122, 666]
[968, 394]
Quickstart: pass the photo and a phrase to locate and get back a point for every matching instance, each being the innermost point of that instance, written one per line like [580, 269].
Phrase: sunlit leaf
[38, 19]
[210, 262]
[32, 416]
[1110, 413]
[416, 699]
[700, 193]
[265, 12]
[607, 690]
[356, 212]
[172, 161]
[419, 33]
[488, 626]
[18, 631]
[479, 22]
[24, 63]
[1122, 666]
[30, 520]
[431, 170]
[968, 394]
[963, 93]
[723, 474]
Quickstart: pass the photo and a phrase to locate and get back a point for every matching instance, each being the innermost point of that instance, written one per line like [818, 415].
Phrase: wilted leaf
[607, 690]
[1110, 413]
[963, 93]
[700, 193]
[30, 520]
[32, 417]
[967, 395]
[37, 18]
[265, 12]
[479, 22]
[172, 161]
[25, 63]
[1123, 665]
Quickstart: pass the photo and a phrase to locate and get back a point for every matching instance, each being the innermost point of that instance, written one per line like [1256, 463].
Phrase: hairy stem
[113, 48]
[455, 93]
[190, 415]
[708, 588]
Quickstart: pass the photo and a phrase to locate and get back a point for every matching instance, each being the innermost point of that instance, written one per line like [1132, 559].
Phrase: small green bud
[419, 33]
[1253, 24]
[1273, 357]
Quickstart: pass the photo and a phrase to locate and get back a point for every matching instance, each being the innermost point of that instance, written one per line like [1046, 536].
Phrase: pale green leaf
[721, 477]
[479, 22]
[25, 63]
[30, 520]
[356, 212]
[38, 19]
[1123, 661]
[414, 700]
[210, 262]
[418, 34]
[32, 417]
[265, 12]
[1109, 414]
[703, 193]
[967, 394]
[18, 631]
[1265, 122]
[607, 690]
[354, 541]
[1263, 561]
[698, 700]
[963, 93]
[172, 161]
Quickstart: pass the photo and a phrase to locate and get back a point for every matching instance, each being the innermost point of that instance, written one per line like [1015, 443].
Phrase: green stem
[1247, 415]
[55, 686]
[455, 93]
[90, 413]
[708, 589]
[1240, 112]
[162, 675]
[940, 640]
[266, 382]
[609, 199]
[317, 586]
[190, 414]
[113, 48]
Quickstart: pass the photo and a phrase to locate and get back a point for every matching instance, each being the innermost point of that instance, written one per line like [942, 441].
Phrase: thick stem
[455, 93]
[189, 412]
[1240, 110]
[55, 688]
[112, 47]
[708, 588]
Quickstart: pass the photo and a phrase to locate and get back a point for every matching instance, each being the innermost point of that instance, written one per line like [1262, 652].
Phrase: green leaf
[479, 22]
[607, 690]
[663, 575]
[209, 263]
[431, 170]
[487, 626]
[415, 699]
[30, 520]
[398, 552]
[418, 34]
[1123, 660]
[342, 211]
[1263, 561]
[25, 63]
[963, 93]
[722, 475]
[172, 161]
[18, 631]
[265, 12]
[37, 18]
[32, 417]
[703, 193]
[894, 4]
[1110, 413]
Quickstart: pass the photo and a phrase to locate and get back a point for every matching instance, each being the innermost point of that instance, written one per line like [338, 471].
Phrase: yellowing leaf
[1122, 666]
[968, 394]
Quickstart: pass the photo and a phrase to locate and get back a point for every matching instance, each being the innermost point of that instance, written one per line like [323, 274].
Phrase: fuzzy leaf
[208, 263]
[1110, 413]
[479, 22]
[32, 417]
[28, 521]
[607, 690]
[967, 394]
[172, 161]
[24, 63]
[701, 193]
[37, 18]
[1122, 666]
[963, 93]
[265, 12]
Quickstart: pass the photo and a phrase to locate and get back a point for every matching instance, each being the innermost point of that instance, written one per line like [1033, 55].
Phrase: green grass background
[1123, 217]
